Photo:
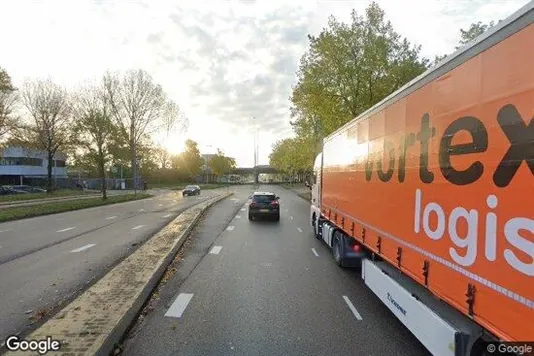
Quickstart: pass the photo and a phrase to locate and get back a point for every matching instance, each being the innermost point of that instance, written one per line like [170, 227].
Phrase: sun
[174, 144]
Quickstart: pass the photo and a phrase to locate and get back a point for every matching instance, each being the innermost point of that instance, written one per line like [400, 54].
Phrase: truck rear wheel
[337, 248]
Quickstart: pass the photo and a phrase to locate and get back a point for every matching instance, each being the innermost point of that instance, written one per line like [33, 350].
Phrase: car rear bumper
[257, 212]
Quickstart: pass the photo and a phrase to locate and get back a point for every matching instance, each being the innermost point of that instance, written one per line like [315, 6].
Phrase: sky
[223, 62]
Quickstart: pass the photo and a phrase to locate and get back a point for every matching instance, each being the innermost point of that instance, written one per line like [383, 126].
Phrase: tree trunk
[134, 165]
[102, 169]
[49, 185]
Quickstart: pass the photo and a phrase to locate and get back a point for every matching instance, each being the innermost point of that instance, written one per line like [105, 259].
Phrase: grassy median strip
[202, 186]
[22, 212]
[32, 196]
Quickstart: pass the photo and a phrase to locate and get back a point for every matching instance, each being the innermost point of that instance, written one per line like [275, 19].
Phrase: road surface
[50, 259]
[265, 288]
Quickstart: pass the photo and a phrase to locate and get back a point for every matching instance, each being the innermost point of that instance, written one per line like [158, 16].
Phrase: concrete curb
[96, 321]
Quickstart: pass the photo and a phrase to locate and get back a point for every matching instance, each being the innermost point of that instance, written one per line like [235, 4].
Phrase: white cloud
[223, 62]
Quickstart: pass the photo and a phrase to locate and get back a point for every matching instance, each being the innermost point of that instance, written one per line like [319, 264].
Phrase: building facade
[20, 165]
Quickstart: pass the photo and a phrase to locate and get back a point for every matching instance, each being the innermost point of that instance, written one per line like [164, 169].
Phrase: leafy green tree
[221, 165]
[94, 129]
[347, 69]
[190, 161]
[474, 30]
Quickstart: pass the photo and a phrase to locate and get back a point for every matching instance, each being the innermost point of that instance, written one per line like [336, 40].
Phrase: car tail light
[252, 205]
[356, 248]
[274, 202]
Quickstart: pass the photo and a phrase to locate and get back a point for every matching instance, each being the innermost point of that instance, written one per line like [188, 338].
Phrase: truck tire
[315, 221]
[337, 249]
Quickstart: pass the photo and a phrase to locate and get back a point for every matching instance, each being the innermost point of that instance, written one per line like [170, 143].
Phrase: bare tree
[8, 101]
[94, 128]
[137, 105]
[48, 127]
[172, 120]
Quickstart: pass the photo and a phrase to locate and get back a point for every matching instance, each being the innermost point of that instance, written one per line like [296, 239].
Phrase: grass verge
[305, 196]
[23, 212]
[55, 194]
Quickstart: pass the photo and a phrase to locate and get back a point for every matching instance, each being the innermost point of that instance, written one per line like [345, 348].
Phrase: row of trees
[347, 69]
[102, 125]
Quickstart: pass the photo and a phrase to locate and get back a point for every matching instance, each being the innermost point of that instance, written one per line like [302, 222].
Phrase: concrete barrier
[94, 322]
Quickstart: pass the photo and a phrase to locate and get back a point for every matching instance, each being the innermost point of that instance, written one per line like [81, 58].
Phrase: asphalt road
[45, 261]
[265, 288]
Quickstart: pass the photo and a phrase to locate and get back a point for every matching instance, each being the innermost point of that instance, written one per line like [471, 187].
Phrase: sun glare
[174, 144]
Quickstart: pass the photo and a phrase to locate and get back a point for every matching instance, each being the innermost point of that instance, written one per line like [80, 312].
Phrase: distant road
[46, 259]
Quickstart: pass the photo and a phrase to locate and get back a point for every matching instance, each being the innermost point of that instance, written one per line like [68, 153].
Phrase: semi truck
[431, 193]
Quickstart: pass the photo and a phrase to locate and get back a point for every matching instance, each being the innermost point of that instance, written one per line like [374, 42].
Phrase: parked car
[264, 204]
[191, 190]
[7, 190]
[28, 188]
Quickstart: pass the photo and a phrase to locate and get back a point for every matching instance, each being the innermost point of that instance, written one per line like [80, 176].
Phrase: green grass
[23, 212]
[305, 196]
[32, 196]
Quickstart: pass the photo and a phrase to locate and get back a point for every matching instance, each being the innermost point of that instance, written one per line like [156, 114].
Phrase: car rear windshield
[264, 198]
[190, 187]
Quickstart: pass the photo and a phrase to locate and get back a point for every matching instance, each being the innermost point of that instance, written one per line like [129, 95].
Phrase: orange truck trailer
[431, 192]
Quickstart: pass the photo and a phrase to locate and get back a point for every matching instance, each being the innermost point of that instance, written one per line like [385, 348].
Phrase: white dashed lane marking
[299, 229]
[111, 217]
[238, 216]
[83, 248]
[230, 228]
[67, 229]
[178, 307]
[138, 227]
[167, 216]
[315, 252]
[216, 249]
[352, 308]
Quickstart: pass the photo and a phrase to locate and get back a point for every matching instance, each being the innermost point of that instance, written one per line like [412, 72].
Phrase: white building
[18, 164]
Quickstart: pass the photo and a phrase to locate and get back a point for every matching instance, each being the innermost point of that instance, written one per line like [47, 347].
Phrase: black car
[264, 204]
[191, 190]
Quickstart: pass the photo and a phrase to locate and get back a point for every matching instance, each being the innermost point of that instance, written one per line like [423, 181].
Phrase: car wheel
[250, 217]
[277, 217]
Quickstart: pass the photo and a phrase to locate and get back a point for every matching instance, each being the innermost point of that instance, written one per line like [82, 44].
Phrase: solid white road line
[238, 216]
[178, 307]
[352, 308]
[315, 252]
[299, 229]
[111, 217]
[230, 228]
[216, 249]
[167, 216]
[83, 248]
[67, 229]
[138, 227]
